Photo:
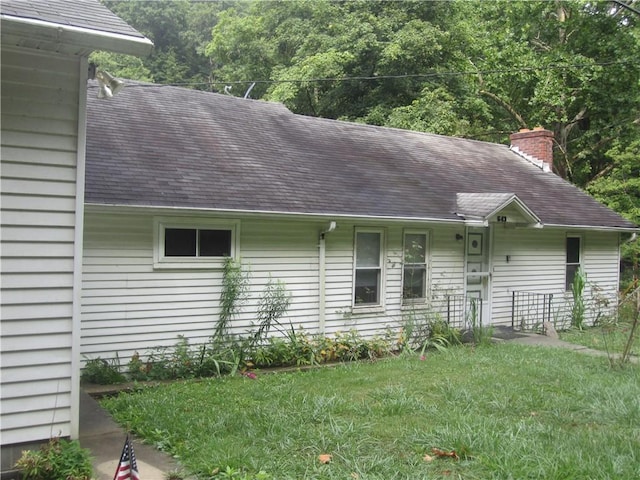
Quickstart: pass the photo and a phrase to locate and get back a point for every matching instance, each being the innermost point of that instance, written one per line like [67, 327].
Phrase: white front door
[477, 274]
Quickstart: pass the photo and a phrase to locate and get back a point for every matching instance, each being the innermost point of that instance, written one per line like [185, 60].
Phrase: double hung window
[414, 275]
[573, 261]
[368, 268]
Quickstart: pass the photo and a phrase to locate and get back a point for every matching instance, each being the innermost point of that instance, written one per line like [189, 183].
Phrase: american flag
[128, 467]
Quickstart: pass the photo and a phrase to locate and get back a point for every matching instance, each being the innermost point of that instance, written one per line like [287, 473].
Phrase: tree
[468, 68]
[179, 29]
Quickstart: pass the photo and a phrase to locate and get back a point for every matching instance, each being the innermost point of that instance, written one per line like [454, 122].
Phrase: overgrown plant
[102, 372]
[235, 283]
[634, 325]
[481, 334]
[59, 459]
[578, 308]
[274, 303]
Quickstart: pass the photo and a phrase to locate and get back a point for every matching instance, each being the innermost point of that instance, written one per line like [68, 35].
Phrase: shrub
[58, 459]
[102, 372]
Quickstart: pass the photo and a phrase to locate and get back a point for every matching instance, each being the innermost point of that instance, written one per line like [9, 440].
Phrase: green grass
[509, 411]
[610, 338]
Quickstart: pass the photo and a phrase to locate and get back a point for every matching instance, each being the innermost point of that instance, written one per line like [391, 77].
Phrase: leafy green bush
[185, 361]
[102, 372]
[298, 348]
[58, 459]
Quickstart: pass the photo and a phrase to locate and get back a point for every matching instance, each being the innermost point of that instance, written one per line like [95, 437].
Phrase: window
[414, 275]
[183, 243]
[193, 242]
[573, 260]
[368, 268]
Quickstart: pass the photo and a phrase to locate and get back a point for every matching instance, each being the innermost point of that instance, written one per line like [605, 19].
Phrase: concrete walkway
[105, 439]
[507, 334]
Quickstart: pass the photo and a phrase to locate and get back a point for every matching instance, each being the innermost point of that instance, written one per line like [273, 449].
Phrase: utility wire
[450, 73]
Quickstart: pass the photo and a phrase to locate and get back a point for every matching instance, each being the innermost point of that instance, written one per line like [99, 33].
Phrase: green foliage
[274, 303]
[298, 348]
[578, 307]
[183, 361]
[237, 474]
[234, 291]
[179, 29]
[59, 459]
[122, 66]
[424, 329]
[618, 187]
[102, 372]
[480, 333]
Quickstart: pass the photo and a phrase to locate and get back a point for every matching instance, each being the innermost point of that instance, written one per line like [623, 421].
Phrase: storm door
[477, 275]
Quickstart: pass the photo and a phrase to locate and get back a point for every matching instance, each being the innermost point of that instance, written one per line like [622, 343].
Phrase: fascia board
[57, 34]
[123, 209]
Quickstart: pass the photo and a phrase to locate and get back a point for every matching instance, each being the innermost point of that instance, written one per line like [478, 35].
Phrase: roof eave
[89, 207]
[599, 228]
[55, 37]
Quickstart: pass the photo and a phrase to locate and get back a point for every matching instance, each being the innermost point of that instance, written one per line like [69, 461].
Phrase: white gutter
[40, 30]
[276, 214]
[592, 227]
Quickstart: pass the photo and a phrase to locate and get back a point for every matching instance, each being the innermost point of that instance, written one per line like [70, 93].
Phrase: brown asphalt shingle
[166, 146]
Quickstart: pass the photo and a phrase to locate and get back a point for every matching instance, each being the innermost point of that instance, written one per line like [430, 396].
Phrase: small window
[368, 268]
[414, 275]
[193, 242]
[572, 261]
[180, 243]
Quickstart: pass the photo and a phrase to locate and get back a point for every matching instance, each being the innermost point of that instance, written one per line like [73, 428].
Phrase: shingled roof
[165, 146]
[57, 24]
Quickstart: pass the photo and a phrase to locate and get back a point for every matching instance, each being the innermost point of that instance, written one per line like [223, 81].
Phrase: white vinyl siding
[39, 155]
[537, 264]
[128, 306]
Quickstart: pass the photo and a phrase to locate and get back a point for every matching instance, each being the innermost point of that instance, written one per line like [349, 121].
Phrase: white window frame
[160, 224]
[381, 294]
[426, 264]
[580, 259]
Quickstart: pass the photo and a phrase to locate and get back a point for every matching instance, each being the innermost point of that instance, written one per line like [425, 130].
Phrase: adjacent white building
[45, 45]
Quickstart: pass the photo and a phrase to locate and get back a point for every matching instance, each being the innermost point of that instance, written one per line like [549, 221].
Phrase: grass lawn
[509, 412]
[609, 338]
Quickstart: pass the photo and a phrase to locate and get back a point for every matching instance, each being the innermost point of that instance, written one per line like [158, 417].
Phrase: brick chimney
[536, 143]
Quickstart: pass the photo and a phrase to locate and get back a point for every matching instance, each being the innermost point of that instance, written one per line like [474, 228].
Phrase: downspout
[322, 281]
[78, 249]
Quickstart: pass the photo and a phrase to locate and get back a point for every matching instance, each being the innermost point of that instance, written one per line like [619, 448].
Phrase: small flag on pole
[128, 467]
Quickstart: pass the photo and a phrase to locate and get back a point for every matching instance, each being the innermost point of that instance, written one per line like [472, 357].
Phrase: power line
[450, 73]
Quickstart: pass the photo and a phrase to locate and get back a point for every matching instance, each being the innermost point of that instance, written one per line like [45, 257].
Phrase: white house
[363, 224]
[45, 45]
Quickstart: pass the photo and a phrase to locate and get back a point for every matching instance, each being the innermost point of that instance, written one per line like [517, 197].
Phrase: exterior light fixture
[108, 86]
